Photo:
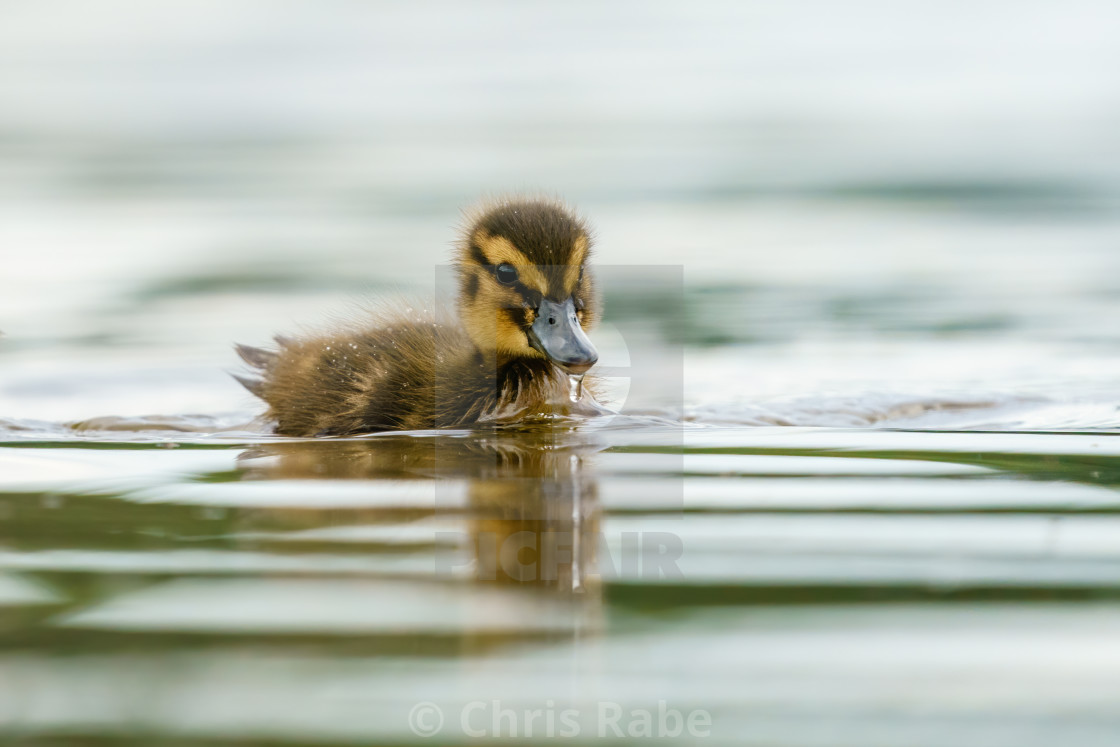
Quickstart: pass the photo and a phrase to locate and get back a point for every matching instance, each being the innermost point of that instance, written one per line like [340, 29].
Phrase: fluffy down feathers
[406, 371]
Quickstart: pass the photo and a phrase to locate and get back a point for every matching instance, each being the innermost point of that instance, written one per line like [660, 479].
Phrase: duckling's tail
[258, 358]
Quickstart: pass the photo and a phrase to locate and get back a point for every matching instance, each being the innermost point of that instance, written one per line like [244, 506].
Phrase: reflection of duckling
[531, 510]
[525, 299]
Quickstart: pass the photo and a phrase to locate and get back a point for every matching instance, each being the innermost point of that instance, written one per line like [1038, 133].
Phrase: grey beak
[557, 334]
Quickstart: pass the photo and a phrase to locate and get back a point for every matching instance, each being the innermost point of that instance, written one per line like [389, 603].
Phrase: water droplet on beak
[575, 387]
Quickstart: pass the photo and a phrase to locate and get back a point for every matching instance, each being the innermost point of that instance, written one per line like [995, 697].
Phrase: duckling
[525, 302]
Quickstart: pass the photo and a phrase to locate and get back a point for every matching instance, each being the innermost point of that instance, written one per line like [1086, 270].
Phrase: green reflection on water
[345, 555]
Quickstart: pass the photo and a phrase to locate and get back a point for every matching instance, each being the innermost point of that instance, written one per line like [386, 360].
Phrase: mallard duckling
[525, 301]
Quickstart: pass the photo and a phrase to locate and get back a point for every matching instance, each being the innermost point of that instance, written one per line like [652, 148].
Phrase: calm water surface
[794, 583]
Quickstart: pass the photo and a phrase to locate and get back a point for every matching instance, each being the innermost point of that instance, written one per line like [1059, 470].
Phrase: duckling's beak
[558, 334]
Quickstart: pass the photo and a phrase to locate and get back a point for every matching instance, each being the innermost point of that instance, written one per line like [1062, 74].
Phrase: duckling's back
[386, 377]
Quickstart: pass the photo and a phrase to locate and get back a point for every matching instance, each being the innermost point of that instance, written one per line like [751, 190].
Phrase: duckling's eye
[506, 273]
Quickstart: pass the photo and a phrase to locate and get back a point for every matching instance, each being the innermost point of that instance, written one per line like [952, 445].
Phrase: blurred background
[865, 196]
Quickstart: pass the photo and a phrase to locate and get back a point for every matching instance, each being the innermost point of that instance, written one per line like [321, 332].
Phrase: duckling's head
[524, 287]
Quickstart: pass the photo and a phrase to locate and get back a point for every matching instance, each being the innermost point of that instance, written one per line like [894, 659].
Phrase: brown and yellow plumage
[525, 299]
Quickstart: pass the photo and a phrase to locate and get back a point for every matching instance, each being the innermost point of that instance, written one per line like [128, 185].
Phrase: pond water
[793, 584]
[860, 333]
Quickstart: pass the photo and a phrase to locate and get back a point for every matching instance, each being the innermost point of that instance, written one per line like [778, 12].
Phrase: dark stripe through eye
[478, 256]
